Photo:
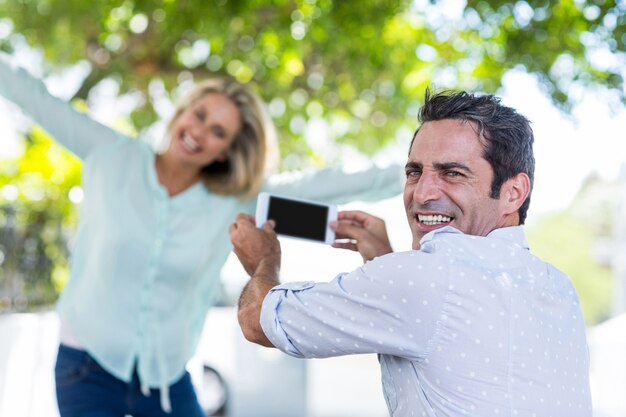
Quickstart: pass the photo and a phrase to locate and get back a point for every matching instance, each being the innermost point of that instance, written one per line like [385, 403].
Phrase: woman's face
[203, 133]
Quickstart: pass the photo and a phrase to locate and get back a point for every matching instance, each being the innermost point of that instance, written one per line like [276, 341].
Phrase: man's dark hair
[508, 137]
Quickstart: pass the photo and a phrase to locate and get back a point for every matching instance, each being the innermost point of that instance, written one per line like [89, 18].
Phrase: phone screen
[298, 219]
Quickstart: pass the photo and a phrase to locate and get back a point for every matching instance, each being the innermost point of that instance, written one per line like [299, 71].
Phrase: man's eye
[200, 114]
[413, 173]
[454, 174]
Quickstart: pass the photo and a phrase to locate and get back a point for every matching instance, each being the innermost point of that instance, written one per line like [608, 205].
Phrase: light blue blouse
[466, 326]
[145, 266]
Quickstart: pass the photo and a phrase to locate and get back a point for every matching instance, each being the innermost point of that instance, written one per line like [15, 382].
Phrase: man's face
[449, 182]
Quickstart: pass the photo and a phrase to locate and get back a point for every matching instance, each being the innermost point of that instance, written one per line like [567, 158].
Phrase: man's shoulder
[506, 237]
[411, 260]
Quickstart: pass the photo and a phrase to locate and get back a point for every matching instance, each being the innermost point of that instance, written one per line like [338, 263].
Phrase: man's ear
[514, 192]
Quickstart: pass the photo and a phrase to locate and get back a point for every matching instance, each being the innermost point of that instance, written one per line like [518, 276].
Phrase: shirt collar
[513, 234]
[196, 194]
[150, 169]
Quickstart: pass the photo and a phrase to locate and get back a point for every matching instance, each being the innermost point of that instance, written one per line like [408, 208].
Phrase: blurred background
[343, 82]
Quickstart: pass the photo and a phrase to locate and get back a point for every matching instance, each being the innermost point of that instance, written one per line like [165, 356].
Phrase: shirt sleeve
[338, 186]
[383, 307]
[74, 130]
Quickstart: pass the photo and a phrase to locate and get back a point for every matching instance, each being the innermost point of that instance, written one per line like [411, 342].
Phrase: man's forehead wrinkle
[449, 165]
[439, 166]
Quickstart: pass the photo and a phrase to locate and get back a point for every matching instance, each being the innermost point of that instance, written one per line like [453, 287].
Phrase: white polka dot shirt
[466, 326]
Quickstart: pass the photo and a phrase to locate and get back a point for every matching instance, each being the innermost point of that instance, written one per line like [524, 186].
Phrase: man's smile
[433, 219]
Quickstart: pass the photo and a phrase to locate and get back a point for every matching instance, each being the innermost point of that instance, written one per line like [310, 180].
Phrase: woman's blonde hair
[253, 153]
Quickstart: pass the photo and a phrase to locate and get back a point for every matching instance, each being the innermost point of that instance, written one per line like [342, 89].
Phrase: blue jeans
[85, 389]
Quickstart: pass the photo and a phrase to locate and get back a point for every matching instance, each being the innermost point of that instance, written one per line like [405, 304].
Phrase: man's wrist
[268, 270]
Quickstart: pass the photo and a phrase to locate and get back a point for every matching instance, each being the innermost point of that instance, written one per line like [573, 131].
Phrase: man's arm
[259, 253]
[251, 301]
[363, 233]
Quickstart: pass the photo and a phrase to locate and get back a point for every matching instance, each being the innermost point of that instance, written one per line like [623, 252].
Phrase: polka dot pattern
[467, 326]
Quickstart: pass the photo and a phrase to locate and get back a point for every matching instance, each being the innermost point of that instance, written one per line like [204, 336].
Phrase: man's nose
[427, 188]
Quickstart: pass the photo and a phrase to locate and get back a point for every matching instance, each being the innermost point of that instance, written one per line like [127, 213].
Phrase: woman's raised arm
[336, 185]
[74, 130]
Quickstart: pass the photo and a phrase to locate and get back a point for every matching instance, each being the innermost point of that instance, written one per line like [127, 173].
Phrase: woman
[153, 237]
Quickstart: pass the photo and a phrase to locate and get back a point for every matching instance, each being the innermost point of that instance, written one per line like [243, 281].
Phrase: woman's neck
[176, 178]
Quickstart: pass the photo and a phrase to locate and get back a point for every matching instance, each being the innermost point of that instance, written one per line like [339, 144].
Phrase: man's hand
[367, 234]
[259, 253]
[252, 245]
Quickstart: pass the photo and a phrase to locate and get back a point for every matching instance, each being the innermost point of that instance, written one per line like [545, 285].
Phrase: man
[467, 323]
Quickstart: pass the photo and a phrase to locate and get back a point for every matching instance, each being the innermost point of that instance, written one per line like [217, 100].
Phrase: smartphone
[300, 219]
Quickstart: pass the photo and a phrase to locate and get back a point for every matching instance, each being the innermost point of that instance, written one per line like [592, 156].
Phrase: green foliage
[35, 223]
[360, 65]
[43, 175]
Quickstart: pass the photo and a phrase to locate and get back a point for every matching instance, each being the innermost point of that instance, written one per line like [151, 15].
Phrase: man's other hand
[362, 232]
